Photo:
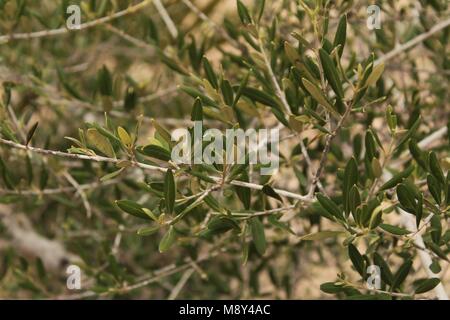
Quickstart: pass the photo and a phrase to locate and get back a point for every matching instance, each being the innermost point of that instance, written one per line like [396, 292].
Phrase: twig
[81, 193]
[166, 18]
[177, 289]
[58, 190]
[83, 26]
[16, 123]
[415, 41]
[327, 147]
[309, 163]
[273, 79]
[145, 167]
[78, 156]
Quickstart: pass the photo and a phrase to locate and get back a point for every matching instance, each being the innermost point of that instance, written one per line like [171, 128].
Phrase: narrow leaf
[169, 191]
[258, 235]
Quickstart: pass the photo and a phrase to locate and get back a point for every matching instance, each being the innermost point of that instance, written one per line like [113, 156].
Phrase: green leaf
[104, 82]
[156, 152]
[169, 191]
[434, 266]
[227, 92]
[260, 9]
[132, 208]
[386, 274]
[243, 193]
[194, 93]
[436, 229]
[260, 96]
[291, 53]
[357, 259]
[435, 168]
[130, 100]
[124, 137]
[375, 218]
[350, 179]
[31, 132]
[354, 200]
[321, 235]
[317, 94]
[168, 240]
[188, 209]
[375, 75]
[331, 288]
[243, 13]
[112, 175]
[222, 224]
[259, 238]
[401, 274]
[100, 142]
[273, 220]
[397, 178]
[147, 231]
[394, 229]
[418, 154]
[411, 131]
[437, 250]
[419, 212]
[197, 110]
[391, 118]
[406, 198]
[331, 73]
[376, 168]
[434, 188]
[163, 132]
[172, 63]
[371, 149]
[270, 192]
[330, 206]
[341, 35]
[210, 75]
[69, 88]
[426, 285]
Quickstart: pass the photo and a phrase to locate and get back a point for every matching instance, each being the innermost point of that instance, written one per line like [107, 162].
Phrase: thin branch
[415, 41]
[180, 285]
[83, 26]
[309, 163]
[80, 192]
[155, 277]
[78, 156]
[16, 123]
[166, 18]
[58, 190]
[273, 79]
[327, 147]
[144, 166]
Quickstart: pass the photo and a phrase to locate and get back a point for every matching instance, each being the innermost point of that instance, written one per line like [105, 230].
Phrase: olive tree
[95, 202]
